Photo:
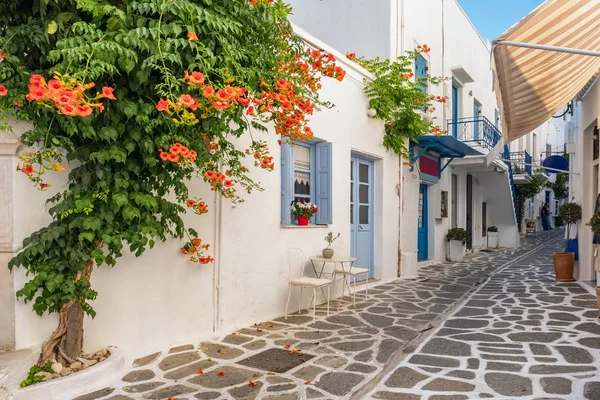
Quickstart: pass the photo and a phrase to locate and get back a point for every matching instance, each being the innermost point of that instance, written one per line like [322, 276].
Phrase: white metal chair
[341, 249]
[296, 263]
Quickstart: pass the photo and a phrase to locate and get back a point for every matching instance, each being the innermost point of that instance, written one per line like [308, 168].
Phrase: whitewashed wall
[351, 26]
[455, 43]
[161, 298]
[585, 185]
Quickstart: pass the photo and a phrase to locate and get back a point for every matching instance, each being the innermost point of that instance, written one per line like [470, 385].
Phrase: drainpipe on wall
[218, 203]
[400, 187]
[444, 91]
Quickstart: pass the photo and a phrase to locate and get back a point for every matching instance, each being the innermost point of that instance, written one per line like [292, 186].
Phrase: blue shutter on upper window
[287, 180]
[421, 71]
[323, 192]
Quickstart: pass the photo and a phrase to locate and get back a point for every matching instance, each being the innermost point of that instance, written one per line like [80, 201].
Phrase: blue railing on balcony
[507, 156]
[521, 163]
[477, 130]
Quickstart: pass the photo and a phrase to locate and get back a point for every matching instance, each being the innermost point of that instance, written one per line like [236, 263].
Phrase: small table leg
[318, 275]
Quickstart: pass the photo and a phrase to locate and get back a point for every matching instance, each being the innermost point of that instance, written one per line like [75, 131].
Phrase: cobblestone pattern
[520, 335]
[339, 353]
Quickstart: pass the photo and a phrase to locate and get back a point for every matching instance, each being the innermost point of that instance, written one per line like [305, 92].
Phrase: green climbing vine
[140, 97]
[400, 99]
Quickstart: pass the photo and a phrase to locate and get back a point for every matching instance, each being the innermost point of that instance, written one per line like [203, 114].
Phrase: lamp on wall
[371, 112]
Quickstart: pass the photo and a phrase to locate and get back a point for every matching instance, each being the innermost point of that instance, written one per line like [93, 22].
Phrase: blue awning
[446, 146]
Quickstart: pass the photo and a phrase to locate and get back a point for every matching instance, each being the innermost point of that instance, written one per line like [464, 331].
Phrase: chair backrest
[296, 262]
[340, 249]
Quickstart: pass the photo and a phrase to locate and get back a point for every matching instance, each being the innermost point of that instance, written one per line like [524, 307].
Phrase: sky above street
[493, 17]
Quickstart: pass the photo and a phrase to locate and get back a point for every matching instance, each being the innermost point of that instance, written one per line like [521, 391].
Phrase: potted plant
[457, 238]
[328, 251]
[303, 211]
[492, 237]
[564, 262]
[594, 223]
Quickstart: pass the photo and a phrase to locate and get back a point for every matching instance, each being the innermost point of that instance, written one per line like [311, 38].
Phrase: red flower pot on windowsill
[302, 221]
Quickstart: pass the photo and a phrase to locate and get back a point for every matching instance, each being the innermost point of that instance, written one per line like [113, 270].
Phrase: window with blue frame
[421, 71]
[306, 175]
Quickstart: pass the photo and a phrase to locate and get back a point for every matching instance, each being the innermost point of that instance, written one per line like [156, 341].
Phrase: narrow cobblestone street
[520, 334]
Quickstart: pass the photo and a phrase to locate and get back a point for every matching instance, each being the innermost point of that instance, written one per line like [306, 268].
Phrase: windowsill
[303, 226]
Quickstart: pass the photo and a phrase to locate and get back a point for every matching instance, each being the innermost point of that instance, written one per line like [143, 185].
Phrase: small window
[306, 175]
[302, 172]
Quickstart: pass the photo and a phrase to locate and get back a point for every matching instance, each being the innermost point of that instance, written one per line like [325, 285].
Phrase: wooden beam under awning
[543, 61]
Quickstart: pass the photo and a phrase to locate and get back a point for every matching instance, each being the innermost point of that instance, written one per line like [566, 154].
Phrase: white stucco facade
[460, 54]
[584, 185]
[161, 297]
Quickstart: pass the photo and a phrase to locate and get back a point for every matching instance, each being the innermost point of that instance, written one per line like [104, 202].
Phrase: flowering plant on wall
[400, 99]
[143, 97]
[302, 208]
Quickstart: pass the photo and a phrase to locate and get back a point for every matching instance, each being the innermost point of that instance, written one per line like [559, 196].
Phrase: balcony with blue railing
[511, 179]
[475, 131]
[521, 164]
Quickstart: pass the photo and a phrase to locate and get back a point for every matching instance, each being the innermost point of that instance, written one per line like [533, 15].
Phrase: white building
[583, 144]
[161, 296]
[529, 152]
[472, 192]
[543, 63]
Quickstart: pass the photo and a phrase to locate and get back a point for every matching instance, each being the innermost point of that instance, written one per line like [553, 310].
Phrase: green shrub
[558, 221]
[457, 234]
[570, 212]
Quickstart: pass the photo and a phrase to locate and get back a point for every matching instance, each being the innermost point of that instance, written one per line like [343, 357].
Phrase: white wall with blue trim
[161, 299]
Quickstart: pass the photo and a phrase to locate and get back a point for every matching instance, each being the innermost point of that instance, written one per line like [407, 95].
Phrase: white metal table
[335, 259]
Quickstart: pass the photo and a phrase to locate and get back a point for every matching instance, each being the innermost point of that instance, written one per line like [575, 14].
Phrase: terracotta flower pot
[564, 263]
[328, 252]
[302, 221]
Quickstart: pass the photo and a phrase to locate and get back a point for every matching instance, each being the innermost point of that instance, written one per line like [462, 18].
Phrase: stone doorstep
[15, 365]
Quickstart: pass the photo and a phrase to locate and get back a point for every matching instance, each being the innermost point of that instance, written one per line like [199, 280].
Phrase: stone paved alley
[445, 336]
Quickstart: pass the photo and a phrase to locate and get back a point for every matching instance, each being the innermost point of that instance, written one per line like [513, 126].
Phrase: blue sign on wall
[556, 162]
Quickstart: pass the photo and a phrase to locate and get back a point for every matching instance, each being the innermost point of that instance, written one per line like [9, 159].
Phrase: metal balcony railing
[476, 130]
[506, 155]
[521, 163]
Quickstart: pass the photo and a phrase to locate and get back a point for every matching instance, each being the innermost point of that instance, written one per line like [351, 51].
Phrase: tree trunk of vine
[66, 342]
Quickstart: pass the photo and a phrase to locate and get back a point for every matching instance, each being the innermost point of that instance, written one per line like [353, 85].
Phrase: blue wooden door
[423, 248]
[476, 112]
[361, 212]
[497, 119]
[421, 72]
[454, 111]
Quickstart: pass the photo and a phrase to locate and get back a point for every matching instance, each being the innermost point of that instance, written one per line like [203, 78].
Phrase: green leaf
[89, 236]
[52, 27]
[130, 213]
[92, 223]
[119, 200]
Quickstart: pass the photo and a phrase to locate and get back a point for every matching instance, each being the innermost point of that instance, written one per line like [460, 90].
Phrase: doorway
[454, 110]
[423, 232]
[361, 212]
[469, 211]
[484, 219]
[476, 122]
[454, 201]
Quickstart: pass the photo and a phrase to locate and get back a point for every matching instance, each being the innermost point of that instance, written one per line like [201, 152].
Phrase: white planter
[492, 240]
[456, 250]
[88, 380]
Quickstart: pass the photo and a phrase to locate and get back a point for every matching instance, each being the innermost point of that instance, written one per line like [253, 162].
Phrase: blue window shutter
[421, 70]
[323, 185]
[287, 181]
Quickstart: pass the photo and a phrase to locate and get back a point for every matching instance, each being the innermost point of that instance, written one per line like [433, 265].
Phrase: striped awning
[532, 84]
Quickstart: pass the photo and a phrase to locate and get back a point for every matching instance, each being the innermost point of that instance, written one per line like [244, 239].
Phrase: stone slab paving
[337, 355]
[521, 335]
